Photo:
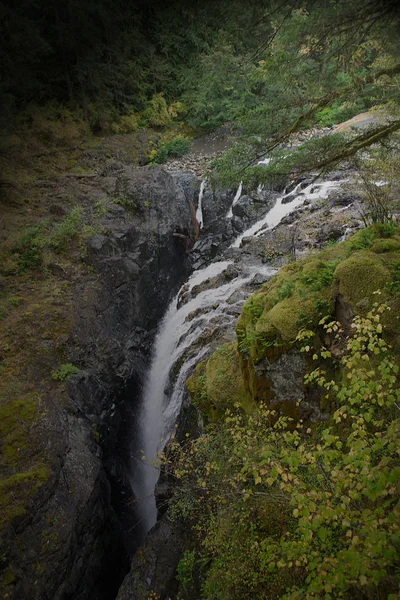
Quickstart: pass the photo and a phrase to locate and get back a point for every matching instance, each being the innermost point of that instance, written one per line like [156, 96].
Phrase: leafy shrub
[64, 371]
[380, 187]
[15, 301]
[177, 109]
[30, 258]
[126, 124]
[394, 285]
[337, 113]
[67, 228]
[285, 290]
[53, 125]
[173, 148]
[362, 240]
[293, 511]
[127, 201]
[385, 230]
[29, 248]
[101, 117]
[184, 571]
[320, 277]
[156, 114]
[99, 208]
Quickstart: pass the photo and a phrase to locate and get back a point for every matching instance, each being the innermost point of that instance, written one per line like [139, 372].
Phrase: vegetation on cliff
[282, 506]
[149, 77]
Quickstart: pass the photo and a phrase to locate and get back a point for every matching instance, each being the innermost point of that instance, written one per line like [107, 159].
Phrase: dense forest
[271, 69]
[273, 505]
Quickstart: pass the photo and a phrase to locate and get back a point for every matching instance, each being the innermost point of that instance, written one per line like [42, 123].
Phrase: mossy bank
[265, 365]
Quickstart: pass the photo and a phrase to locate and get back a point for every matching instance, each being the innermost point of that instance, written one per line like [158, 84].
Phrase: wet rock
[260, 278]
[244, 207]
[216, 205]
[342, 197]
[231, 272]
[343, 313]
[153, 567]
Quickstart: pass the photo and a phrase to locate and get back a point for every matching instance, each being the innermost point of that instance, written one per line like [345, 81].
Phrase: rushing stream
[188, 315]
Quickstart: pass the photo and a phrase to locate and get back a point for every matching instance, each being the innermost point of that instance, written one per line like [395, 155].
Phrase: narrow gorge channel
[203, 311]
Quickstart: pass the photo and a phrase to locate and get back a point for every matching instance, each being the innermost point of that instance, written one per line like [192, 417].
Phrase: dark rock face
[153, 567]
[215, 207]
[219, 231]
[72, 532]
[141, 265]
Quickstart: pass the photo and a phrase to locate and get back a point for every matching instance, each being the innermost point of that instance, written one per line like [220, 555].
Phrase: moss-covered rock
[303, 292]
[385, 245]
[217, 383]
[359, 276]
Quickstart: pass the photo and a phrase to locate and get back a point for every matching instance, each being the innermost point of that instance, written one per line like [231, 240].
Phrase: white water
[176, 335]
[158, 415]
[236, 199]
[276, 214]
[199, 211]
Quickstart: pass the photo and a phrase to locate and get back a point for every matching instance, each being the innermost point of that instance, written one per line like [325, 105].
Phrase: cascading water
[235, 201]
[157, 414]
[281, 209]
[199, 211]
[180, 328]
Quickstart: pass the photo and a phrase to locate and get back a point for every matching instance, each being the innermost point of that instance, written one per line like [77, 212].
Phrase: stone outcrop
[68, 529]
[154, 566]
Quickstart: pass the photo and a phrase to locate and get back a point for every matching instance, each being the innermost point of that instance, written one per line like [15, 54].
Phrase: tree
[322, 56]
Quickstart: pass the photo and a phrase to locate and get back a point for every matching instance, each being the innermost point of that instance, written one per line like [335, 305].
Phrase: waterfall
[236, 199]
[281, 209]
[182, 325]
[199, 211]
[171, 341]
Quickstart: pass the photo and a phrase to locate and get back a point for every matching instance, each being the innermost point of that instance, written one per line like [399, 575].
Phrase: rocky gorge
[60, 528]
[74, 534]
[205, 340]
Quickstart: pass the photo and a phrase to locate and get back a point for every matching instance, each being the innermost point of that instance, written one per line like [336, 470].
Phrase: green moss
[16, 416]
[385, 245]
[22, 465]
[285, 315]
[8, 577]
[358, 277]
[224, 385]
[217, 384]
[304, 292]
[297, 297]
[16, 490]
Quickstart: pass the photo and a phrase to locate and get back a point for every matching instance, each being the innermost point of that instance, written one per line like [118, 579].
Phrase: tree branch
[318, 104]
